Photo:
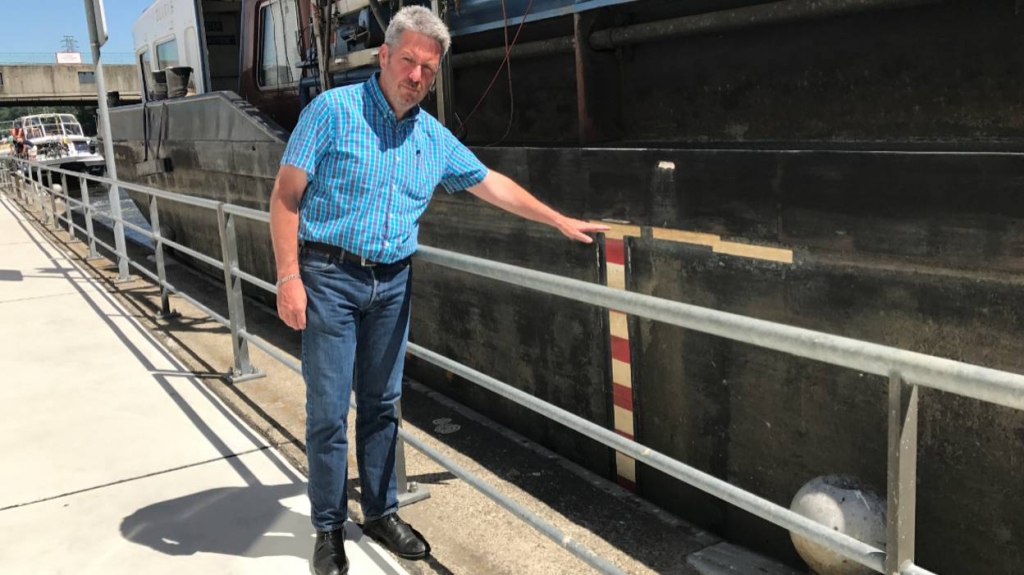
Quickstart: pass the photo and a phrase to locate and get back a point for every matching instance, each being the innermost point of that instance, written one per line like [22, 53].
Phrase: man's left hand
[578, 229]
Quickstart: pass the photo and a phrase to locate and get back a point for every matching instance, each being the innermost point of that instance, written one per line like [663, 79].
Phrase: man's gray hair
[421, 20]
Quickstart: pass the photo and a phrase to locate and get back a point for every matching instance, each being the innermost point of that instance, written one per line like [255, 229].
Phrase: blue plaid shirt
[370, 175]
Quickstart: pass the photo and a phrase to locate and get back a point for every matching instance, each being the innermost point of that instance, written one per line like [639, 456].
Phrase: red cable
[508, 51]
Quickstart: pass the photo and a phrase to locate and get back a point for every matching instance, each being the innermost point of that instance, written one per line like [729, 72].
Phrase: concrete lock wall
[64, 82]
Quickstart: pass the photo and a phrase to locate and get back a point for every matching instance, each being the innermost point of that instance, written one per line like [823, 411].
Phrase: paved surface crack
[136, 478]
[48, 296]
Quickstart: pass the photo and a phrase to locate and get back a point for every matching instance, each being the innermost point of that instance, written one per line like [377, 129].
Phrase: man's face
[407, 72]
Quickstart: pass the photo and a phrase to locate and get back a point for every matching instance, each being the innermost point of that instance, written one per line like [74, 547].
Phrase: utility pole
[97, 37]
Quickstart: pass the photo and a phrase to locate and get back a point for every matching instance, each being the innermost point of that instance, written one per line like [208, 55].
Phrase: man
[358, 172]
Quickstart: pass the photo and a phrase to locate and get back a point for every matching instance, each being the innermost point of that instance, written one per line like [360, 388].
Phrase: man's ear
[383, 54]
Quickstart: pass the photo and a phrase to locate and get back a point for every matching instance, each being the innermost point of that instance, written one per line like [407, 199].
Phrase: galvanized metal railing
[907, 372]
[32, 184]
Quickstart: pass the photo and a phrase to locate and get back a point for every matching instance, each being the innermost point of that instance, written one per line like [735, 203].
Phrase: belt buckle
[366, 263]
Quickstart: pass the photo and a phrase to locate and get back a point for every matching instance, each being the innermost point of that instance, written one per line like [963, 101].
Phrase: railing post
[902, 474]
[39, 190]
[114, 198]
[22, 185]
[19, 184]
[409, 492]
[51, 217]
[154, 221]
[64, 193]
[53, 200]
[242, 370]
[87, 208]
[37, 180]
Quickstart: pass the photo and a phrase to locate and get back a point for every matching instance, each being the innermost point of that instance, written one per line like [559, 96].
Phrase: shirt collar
[377, 95]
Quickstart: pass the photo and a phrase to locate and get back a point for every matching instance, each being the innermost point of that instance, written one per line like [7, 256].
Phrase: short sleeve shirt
[370, 175]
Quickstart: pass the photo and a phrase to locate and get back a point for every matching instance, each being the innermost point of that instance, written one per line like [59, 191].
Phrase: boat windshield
[71, 125]
[57, 125]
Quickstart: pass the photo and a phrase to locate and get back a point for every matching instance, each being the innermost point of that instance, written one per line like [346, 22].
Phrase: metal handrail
[906, 371]
[986, 384]
[241, 336]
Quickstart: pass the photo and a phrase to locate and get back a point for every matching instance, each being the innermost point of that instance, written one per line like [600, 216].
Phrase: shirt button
[386, 244]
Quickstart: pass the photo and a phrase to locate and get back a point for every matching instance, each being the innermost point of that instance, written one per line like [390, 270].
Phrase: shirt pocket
[417, 179]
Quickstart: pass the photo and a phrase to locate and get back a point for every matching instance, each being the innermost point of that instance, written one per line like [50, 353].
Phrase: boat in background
[56, 140]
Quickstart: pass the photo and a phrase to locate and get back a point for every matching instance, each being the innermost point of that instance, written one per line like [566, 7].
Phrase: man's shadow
[253, 521]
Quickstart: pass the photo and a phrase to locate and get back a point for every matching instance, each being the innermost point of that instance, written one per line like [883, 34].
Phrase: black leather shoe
[397, 536]
[329, 553]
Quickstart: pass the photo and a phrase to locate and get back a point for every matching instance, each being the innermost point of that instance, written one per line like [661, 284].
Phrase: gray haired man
[358, 172]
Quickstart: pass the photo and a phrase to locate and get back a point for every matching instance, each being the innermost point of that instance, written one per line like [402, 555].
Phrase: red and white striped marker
[622, 377]
[618, 326]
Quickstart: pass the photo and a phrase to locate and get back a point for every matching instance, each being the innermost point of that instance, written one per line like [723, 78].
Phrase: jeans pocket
[314, 261]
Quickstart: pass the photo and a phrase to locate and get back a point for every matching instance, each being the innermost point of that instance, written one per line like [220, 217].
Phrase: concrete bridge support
[55, 84]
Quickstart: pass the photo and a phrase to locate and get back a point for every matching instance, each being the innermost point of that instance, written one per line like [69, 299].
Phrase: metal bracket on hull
[152, 167]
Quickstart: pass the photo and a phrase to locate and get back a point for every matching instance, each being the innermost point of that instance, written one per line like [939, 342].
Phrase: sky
[42, 25]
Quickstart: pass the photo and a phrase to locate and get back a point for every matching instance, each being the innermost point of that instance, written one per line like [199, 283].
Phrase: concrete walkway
[115, 459]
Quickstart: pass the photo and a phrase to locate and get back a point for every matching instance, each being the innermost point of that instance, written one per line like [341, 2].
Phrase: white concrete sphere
[841, 503]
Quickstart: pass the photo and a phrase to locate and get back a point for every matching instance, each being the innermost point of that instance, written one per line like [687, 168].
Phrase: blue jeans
[357, 325]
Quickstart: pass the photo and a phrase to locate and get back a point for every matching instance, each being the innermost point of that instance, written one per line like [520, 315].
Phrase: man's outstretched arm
[501, 191]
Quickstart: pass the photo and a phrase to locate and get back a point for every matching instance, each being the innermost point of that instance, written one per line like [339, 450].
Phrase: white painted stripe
[618, 231]
[724, 247]
[623, 420]
[625, 466]
[621, 373]
[698, 238]
[616, 276]
[755, 252]
[618, 323]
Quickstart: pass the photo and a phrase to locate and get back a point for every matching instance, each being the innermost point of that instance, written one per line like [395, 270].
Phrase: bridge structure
[26, 84]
